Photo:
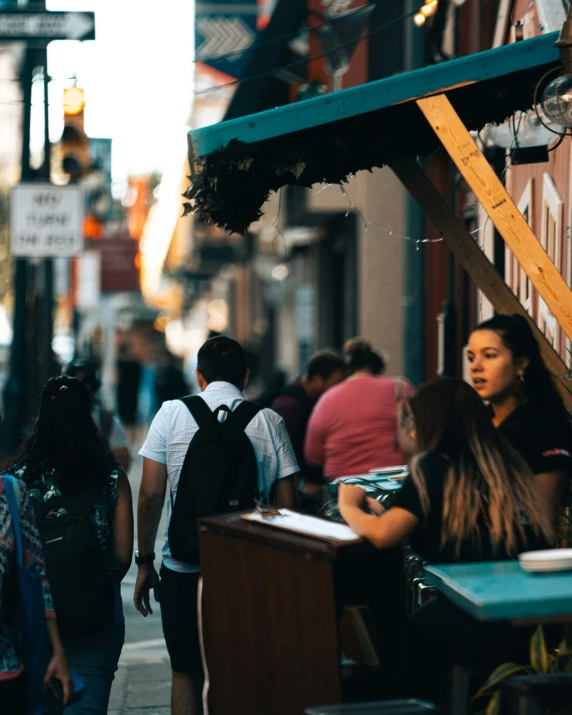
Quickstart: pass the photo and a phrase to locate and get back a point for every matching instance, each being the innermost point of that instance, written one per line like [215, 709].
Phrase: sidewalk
[142, 683]
[141, 689]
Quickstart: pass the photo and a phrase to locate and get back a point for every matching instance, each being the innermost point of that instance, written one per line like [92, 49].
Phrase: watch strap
[141, 559]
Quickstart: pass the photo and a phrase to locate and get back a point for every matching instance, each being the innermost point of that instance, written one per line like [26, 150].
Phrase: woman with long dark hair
[469, 497]
[82, 501]
[508, 372]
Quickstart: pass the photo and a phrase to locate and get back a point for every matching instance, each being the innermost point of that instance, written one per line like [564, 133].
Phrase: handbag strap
[14, 498]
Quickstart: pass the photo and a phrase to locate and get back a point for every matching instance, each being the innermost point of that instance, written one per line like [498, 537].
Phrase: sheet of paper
[304, 524]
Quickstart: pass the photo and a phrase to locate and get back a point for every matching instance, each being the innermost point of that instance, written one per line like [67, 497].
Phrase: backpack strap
[199, 409]
[13, 497]
[243, 415]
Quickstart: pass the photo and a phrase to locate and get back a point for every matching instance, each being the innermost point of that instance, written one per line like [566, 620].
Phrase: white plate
[545, 555]
[546, 560]
[389, 470]
[545, 568]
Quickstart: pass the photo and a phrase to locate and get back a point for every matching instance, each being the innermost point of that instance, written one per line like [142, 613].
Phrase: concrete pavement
[142, 683]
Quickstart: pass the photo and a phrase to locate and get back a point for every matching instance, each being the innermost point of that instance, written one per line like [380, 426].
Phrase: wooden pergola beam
[494, 198]
[473, 260]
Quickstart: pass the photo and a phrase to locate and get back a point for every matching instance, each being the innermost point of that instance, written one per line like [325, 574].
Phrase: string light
[429, 8]
[425, 11]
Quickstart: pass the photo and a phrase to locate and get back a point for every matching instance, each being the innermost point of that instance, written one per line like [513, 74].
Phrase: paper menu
[307, 525]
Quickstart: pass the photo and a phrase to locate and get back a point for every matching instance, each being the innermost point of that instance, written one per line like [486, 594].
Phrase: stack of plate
[546, 560]
[399, 472]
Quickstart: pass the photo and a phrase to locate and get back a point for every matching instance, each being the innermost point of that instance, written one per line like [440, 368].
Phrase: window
[516, 278]
[551, 240]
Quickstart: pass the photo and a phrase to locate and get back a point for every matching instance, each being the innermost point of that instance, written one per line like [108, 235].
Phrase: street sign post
[22, 25]
[46, 221]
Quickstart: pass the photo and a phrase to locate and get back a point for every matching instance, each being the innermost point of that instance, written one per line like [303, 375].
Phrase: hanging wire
[307, 60]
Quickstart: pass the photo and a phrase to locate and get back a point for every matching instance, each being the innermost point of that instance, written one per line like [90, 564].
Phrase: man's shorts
[178, 602]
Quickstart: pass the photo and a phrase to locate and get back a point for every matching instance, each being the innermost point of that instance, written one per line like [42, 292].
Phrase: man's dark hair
[324, 363]
[224, 359]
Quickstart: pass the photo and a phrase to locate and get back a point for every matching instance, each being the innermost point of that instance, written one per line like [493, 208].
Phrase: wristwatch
[144, 559]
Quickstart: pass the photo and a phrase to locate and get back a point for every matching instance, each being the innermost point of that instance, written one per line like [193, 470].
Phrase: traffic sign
[22, 25]
[224, 32]
[46, 221]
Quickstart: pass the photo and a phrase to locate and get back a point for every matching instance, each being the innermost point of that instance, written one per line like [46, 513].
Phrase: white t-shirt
[174, 427]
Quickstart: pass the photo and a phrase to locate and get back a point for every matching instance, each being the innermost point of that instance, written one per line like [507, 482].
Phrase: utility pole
[15, 388]
[33, 284]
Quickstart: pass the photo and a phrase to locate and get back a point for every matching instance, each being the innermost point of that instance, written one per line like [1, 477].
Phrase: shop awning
[237, 163]
[327, 138]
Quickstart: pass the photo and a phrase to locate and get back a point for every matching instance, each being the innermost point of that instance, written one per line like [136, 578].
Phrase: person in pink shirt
[353, 427]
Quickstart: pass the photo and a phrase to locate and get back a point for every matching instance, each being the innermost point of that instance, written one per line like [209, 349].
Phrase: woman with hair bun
[353, 427]
[508, 372]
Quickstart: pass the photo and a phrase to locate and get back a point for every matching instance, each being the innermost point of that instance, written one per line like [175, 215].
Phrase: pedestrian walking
[13, 677]
[469, 497]
[109, 425]
[508, 372]
[216, 452]
[82, 503]
[127, 391]
[295, 402]
[353, 427]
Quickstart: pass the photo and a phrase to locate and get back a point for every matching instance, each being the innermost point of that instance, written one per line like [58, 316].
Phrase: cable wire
[307, 60]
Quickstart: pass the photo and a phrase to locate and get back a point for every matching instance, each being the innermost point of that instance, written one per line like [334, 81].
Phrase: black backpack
[219, 474]
[82, 587]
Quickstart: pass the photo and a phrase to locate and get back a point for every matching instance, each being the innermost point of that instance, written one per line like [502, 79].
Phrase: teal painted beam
[372, 96]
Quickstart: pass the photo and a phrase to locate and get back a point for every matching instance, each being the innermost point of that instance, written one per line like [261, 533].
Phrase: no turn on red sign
[46, 221]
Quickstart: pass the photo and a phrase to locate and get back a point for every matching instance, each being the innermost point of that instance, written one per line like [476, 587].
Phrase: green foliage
[541, 661]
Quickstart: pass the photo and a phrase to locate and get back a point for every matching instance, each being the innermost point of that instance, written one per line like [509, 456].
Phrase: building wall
[543, 193]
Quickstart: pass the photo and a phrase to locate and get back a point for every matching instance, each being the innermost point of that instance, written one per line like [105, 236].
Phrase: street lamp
[557, 97]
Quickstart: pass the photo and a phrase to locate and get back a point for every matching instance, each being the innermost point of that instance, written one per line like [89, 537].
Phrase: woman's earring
[521, 376]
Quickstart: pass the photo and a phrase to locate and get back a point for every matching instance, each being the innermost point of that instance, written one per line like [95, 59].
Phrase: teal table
[501, 590]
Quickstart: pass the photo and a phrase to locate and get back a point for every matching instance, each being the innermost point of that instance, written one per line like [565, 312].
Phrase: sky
[137, 76]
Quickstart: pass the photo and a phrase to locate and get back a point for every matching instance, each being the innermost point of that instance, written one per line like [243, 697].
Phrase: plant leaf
[538, 652]
[493, 708]
[506, 670]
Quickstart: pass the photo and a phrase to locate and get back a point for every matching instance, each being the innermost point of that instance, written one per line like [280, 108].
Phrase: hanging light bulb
[557, 97]
[557, 100]
[419, 19]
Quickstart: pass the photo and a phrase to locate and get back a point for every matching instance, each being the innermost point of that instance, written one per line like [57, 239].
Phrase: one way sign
[22, 25]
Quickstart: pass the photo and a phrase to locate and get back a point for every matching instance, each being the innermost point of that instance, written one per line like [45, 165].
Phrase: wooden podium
[273, 608]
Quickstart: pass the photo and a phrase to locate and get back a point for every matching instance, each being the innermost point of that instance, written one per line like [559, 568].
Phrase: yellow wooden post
[494, 198]
[474, 261]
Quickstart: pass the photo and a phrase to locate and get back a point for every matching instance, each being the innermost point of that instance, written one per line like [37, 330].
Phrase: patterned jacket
[10, 664]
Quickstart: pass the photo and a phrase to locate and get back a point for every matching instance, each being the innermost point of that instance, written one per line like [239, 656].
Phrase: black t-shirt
[425, 540]
[541, 437]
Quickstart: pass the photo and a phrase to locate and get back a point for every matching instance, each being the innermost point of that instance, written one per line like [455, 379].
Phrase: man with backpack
[218, 453]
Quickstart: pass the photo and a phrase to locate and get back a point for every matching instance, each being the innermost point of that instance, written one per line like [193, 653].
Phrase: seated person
[469, 497]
